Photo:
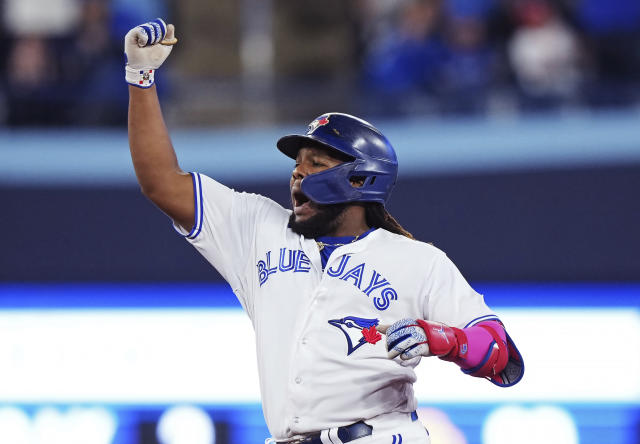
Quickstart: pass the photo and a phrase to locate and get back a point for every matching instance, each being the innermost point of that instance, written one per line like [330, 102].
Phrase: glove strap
[448, 343]
[142, 78]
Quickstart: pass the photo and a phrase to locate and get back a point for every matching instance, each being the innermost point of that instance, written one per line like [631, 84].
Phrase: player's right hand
[146, 47]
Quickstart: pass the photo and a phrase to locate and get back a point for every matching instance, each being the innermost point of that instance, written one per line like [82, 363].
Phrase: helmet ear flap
[332, 186]
[360, 181]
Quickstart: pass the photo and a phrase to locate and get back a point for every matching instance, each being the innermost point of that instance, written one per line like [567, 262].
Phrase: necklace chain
[321, 245]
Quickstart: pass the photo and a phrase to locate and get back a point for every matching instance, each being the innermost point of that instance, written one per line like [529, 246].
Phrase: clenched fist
[146, 47]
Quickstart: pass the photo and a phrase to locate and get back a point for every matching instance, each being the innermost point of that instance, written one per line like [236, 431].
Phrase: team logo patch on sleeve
[358, 331]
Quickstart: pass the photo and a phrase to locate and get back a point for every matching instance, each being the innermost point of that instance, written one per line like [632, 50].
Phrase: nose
[299, 172]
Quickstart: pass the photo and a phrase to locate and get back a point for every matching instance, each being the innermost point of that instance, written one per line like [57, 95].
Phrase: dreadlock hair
[378, 216]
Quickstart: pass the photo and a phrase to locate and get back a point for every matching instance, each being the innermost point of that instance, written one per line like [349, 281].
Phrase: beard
[326, 220]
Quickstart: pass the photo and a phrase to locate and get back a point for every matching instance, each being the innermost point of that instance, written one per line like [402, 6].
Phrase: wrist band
[142, 78]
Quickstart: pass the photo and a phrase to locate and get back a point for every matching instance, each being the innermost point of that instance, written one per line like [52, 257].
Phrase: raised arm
[159, 175]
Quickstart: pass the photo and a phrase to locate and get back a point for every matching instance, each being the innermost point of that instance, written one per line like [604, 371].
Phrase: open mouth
[302, 205]
[299, 199]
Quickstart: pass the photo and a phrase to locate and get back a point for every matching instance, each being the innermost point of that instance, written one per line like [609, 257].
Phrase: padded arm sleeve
[491, 354]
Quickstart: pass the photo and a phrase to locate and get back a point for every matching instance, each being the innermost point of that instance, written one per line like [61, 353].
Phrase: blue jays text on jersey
[366, 279]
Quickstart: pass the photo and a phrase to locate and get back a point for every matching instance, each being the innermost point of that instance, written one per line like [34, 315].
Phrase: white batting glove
[146, 47]
[407, 339]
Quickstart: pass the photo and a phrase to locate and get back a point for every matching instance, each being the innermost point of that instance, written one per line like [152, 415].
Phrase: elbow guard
[494, 361]
[503, 364]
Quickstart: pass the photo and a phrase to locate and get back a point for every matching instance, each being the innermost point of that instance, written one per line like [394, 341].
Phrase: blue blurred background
[516, 124]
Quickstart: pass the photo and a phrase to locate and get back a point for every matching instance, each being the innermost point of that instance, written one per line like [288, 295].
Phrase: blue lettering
[290, 264]
[298, 262]
[270, 269]
[356, 274]
[375, 283]
[382, 302]
[341, 265]
[265, 269]
[303, 264]
[262, 272]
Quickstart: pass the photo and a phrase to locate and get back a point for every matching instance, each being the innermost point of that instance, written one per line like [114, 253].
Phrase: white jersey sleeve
[451, 300]
[226, 223]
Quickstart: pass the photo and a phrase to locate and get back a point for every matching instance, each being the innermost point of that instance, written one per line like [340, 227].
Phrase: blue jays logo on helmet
[358, 331]
[372, 160]
[320, 121]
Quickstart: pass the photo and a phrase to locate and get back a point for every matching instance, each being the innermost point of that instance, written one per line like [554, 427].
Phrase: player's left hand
[409, 338]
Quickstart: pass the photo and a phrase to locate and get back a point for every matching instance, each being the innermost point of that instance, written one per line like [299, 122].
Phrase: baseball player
[343, 300]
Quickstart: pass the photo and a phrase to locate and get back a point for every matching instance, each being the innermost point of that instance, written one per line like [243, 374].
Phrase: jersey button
[304, 341]
[296, 419]
[298, 380]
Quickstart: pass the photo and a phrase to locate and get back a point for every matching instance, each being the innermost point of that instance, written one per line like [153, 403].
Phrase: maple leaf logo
[371, 335]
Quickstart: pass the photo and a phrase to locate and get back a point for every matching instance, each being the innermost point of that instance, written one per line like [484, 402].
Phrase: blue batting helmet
[371, 157]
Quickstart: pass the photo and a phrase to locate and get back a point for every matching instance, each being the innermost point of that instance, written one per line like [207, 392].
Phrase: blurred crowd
[62, 60]
[479, 56]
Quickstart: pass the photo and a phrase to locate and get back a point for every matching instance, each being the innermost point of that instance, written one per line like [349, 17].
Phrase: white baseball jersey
[321, 362]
